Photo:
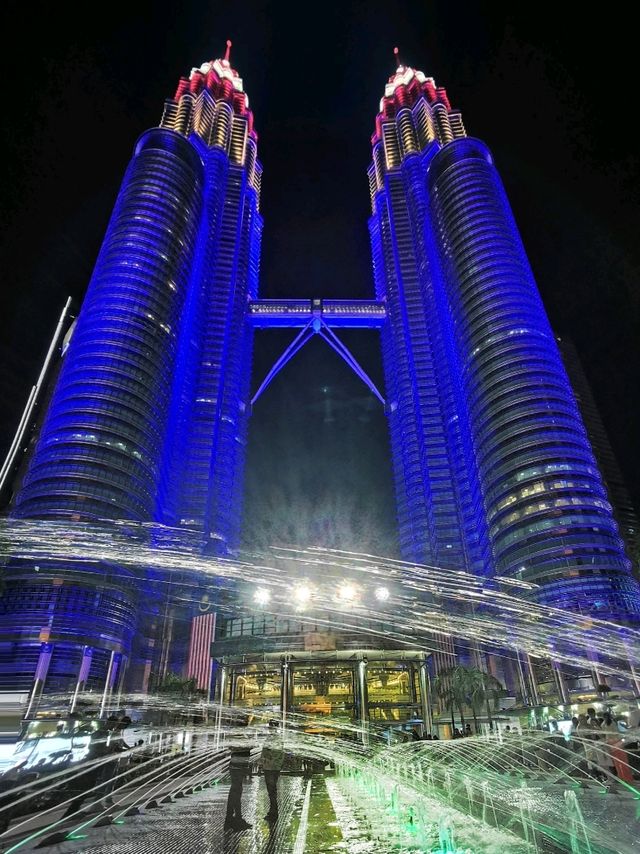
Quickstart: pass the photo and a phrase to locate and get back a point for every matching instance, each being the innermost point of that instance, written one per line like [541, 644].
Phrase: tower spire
[227, 53]
[396, 53]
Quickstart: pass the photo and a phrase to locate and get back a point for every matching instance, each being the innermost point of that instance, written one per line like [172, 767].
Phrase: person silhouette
[239, 763]
[272, 760]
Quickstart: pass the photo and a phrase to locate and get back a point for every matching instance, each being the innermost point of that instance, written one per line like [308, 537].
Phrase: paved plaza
[319, 814]
[195, 825]
[415, 798]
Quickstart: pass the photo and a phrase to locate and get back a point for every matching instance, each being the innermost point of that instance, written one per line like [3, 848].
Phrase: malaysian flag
[199, 663]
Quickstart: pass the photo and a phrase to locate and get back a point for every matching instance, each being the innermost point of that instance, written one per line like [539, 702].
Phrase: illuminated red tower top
[413, 113]
[212, 104]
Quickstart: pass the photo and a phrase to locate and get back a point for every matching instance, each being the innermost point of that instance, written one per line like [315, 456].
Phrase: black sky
[550, 90]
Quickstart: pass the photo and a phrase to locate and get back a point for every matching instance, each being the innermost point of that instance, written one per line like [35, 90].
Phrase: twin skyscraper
[148, 421]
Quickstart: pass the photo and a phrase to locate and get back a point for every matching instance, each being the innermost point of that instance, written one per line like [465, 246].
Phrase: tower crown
[215, 76]
[212, 104]
[414, 112]
[222, 82]
[404, 88]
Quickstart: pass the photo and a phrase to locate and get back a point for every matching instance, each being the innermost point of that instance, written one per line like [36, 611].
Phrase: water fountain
[526, 793]
[454, 797]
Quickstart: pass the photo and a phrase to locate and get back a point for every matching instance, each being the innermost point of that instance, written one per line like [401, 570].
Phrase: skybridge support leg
[317, 326]
[342, 350]
[297, 344]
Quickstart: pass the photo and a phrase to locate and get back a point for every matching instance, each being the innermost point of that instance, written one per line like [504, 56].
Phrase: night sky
[553, 95]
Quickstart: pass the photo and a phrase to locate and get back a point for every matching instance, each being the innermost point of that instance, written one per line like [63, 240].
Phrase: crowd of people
[606, 755]
[462, 733]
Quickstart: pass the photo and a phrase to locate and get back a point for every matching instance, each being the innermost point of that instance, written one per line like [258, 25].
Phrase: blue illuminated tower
[148, 419]
[154, 384]
[209, 413]
[493, 468]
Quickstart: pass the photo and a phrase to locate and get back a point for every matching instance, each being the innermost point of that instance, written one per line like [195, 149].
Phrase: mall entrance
[384, 688]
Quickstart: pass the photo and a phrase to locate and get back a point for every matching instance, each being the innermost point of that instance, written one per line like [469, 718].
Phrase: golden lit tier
[212, 104]
[414, 112]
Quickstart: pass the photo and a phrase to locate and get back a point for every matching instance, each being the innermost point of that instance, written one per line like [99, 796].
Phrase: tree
[175, 684]
[475, 687]
[460, 686]
[455, 682]
[443, 687]
[486, 689]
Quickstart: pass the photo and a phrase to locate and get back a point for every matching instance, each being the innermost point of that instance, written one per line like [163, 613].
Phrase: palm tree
[443, 688]
[467, 686]
[455, 685]
[486, 689]
[475, 687]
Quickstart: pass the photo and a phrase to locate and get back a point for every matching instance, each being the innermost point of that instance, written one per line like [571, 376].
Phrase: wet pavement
[325, 813]
[195, 825]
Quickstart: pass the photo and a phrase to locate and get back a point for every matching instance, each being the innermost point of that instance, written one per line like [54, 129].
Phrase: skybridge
[317, 317]
[337, 314]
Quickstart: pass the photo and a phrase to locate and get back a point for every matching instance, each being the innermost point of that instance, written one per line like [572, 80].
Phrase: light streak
[261, 596]
[428, 600]
[382, 594]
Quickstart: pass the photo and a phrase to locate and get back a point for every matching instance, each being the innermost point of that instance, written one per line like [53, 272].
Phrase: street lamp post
[363, 700]
[425, 696]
